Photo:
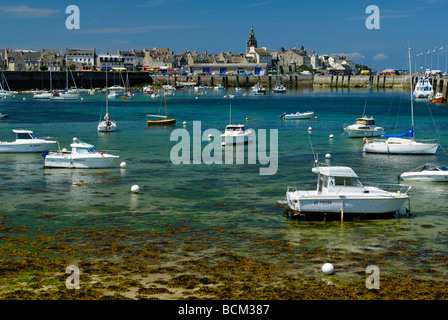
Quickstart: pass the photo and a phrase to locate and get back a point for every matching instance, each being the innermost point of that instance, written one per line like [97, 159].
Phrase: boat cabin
[237, 128]
[365, 121]
[333, 179]
[24, 134]
[83, 148]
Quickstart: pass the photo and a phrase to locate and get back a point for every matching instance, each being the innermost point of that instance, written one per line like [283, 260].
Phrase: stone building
[53, 59]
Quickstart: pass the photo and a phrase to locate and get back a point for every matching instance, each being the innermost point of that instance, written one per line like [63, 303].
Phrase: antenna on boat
[312, 150]
[411, 89]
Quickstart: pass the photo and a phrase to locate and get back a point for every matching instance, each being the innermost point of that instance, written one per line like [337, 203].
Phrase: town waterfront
[214, 231]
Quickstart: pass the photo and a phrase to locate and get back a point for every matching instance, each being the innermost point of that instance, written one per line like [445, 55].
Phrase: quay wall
[290, 81]
[40, 80]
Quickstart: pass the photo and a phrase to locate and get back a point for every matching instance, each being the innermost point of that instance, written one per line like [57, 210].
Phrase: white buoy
[331, 136]
[185, 123]
[135, 188]
[309, 128]
[24, 99]
[210, 136]
[328, 156]
[327, 268]
[123, 165]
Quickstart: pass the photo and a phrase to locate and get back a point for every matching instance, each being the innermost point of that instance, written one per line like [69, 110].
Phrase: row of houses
[256, 60]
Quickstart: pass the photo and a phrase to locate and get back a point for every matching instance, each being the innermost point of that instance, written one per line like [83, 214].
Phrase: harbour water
[195, 211]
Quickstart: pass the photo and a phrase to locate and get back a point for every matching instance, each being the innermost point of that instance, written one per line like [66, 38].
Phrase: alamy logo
[373, 21]
[72, 281]
[213, 151]
[72, 21]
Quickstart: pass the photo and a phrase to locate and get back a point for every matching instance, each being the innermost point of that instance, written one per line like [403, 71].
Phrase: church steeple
[251, 41]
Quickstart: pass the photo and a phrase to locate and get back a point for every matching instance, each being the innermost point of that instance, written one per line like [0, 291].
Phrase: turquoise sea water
[233, 196]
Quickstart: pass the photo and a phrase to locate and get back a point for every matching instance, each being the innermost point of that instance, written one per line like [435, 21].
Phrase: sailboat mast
[107, 98]
[411, 89]
[166, 111]
[66, 71]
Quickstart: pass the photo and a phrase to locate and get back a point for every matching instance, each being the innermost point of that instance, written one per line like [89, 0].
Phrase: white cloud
[380, 56]
[354, 56]
[28, 12]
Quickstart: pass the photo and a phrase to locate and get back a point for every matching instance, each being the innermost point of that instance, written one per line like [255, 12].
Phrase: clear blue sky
[214, 26]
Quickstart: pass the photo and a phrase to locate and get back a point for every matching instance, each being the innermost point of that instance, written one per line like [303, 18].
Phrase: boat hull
[354, 131]
[67, 161]
[34, 147]
[400, 146]
[162, 122]
[233, 139]
[348, 206]
[425, 176]
[107, 126]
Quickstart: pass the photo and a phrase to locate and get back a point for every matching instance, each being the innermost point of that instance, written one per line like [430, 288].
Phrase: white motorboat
[297, 115]
[258, 89]
[237, 134]
[279, 88]
[339, 194]
[364, 127]
[4, 94]
[42, 95]
[82, 156]
[403, 143]
[427, 172]
[148, 90]
[65, 96]
[4, 115]
[114, 94]
[201, 88]
[218, 87]
[26, 142]
[423, 89]
[169, 87]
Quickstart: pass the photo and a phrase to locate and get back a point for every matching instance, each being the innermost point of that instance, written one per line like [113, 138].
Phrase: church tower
[252, 41]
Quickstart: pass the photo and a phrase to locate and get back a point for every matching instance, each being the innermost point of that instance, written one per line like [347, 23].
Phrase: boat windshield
[365, 122]
[347, 181]
[25, 136]
[234, 128]
[86, 150]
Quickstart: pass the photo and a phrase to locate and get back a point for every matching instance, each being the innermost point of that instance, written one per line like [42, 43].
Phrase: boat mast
[107, 98]
[411, 89]
[66, 72]
[166, 111]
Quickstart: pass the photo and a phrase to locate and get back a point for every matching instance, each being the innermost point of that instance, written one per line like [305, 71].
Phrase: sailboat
[127, 94]
[107, 125]
[6, 93]
[403, 143]
[65, 95]
[162, 120]
[44, 95]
